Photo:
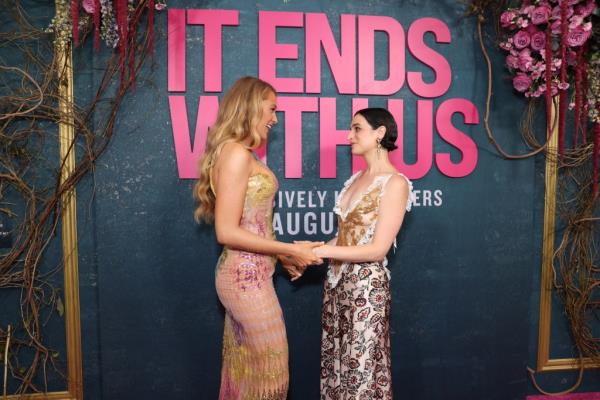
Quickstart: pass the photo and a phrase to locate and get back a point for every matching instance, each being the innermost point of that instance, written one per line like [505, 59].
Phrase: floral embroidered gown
[255, 350]
[355, 338]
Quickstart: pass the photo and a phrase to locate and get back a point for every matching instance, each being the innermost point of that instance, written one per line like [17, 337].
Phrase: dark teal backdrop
[465, 276]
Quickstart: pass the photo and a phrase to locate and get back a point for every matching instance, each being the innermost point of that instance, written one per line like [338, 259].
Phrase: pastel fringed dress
[355, 338]
[255, 349]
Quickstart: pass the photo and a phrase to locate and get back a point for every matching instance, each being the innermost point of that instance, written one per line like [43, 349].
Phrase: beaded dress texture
[355, 338]
[255, 349]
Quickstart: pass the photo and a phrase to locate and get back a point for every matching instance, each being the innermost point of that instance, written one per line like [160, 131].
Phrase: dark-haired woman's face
[362, 136]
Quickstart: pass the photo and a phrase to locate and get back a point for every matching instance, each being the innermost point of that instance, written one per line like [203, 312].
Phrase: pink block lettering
[424, 148]
[429, 57]
[342, 62]
[367, 26]
[293, 107]
[188, 155]
[213, 21]
[176, 50]
[331, 137]
[458, 139]
[270, 51]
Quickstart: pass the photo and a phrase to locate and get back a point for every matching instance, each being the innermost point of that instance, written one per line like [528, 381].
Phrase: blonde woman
[236, 191]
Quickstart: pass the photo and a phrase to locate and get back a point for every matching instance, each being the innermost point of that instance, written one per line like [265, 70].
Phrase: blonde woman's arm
[231, 173]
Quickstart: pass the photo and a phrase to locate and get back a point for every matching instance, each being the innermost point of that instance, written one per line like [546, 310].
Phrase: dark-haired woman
[355, 341]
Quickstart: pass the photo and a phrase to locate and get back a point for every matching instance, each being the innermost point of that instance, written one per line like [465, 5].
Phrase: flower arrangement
[533, 27]
[547, 44]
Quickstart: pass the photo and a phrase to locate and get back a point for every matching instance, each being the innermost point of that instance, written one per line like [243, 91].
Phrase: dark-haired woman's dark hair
[377, 117]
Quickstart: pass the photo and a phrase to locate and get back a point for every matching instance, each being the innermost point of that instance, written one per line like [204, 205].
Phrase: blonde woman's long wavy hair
[239, 113]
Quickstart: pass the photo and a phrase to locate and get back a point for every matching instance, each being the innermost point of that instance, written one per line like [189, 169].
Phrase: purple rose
[585, 10]
[577, 37]
[522, 82]
[540, 15]
[512, 61]
[507, 17]
[521, 39]
[538, 41]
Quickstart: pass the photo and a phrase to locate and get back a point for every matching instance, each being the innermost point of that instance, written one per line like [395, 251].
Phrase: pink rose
[521, 39]
[585, 10]
[522, 82]
[89, 6]
[538, 41]
[556, 12]
[512, 61]
[563, 86]
[526, 9]
[540, 15]
[577, 37]
[507, 18]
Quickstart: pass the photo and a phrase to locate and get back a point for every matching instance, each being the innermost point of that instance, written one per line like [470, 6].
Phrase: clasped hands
[302, 256]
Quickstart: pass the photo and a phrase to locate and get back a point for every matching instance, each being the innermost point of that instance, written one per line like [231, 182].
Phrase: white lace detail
[368, 237]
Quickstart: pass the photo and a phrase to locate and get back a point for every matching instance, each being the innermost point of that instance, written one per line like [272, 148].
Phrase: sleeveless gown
[355, 337]
[255, 349]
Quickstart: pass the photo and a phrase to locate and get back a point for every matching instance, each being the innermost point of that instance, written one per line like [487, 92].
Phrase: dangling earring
[378, 147]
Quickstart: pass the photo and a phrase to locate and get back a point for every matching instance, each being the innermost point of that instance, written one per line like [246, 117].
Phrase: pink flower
[522, 39]
[538, 41]
[571, 57]
[522, 22]
[522, 82]
[576, 20]
[585, 10]
[526, 9]
[506, 46]
[577, 37]
[563, 86]
[556, 14]
[507, 18]
[160, 6]
[587, 26]
[525, 61]
[512, 61]
[89, 6]
[540, 15]
[555, 27]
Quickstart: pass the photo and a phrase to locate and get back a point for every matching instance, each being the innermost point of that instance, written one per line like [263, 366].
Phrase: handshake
[303, 254]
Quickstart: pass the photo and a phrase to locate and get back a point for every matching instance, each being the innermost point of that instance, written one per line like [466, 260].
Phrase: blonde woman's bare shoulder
[234, 154]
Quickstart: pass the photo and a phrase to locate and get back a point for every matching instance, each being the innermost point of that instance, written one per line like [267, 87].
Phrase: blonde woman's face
[269, 117]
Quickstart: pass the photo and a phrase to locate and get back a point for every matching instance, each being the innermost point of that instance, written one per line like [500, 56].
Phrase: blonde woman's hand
[303, 254]
[295, 271]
